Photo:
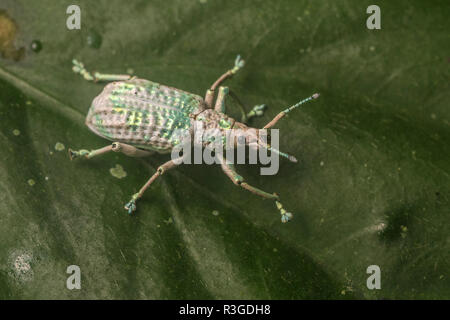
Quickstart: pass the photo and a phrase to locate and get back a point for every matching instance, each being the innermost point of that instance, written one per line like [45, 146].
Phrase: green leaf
[371, 186]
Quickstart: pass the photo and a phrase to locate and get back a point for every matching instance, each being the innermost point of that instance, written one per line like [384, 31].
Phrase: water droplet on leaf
[36, 46]
[94, 40]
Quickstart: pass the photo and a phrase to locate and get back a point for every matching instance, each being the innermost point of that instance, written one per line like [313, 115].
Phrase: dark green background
[371, 186]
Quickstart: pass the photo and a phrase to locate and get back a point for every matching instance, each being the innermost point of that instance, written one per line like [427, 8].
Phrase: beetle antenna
[283, 154]
[286, 111]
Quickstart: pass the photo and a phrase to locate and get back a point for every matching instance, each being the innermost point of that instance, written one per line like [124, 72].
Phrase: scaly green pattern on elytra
[161, 108]
[224, 124]
[101, 127]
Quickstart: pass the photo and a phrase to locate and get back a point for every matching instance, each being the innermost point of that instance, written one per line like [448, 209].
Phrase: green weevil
[140, 116]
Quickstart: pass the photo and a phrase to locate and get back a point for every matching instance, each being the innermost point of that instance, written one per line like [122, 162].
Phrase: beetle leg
[131, 205]
[220, 101]
[78, 67]
[126, 149]
[238, 180]
[88, 154]
[220, 106]
[238, 64]
[130, 150]
[257, 110]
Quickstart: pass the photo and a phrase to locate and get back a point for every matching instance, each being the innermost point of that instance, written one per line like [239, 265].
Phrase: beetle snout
[251, 136]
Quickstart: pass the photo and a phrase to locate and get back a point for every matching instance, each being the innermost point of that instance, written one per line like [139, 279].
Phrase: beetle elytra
[140, 116]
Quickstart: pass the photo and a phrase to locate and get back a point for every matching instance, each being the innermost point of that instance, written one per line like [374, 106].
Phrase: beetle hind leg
[88, 154]
[124, 148]
[130, 206]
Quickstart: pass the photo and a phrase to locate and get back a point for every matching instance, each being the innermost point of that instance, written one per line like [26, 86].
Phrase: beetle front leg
[257, 110]
[131, 205]
[238, 180]
[209, 97]
[78, 67]
[220, 106]
[124, 148]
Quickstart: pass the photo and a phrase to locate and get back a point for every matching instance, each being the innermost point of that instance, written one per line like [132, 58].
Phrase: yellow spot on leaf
[8, 32]
[59, 146]
[118, 172]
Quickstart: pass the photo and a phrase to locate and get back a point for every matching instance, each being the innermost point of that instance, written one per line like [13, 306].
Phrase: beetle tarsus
[72, 154]
[257, 111]
[285, 216]
[78, 67]
[238, 64]
[77, 154]
[131, 205]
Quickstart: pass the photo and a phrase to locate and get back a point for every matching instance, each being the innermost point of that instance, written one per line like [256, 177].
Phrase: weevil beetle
[139, 116]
